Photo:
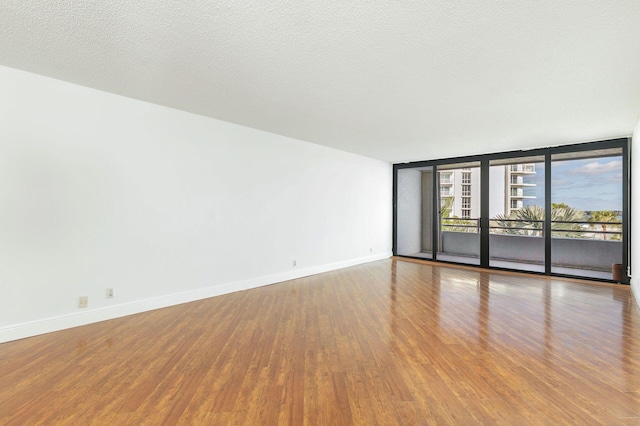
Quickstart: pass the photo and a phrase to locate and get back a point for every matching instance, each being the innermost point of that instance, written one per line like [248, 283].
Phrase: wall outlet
[109, 293]
[83, 302]
[294, 263]
[370, 249]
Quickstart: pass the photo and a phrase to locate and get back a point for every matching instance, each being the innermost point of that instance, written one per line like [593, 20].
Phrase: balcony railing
[536, 228]
[559, 228]
[455, 224]
[578, 248]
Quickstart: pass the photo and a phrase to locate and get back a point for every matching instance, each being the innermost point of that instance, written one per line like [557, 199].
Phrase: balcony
[518, 181]
[518, 193]
[525, 169]
[586, 250]
[522, 197]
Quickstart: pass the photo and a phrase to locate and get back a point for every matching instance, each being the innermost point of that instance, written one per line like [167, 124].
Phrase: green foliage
[529, 220]
[567, 214]
[446, 205]
[605, 217]
[453, 223]
[506, 226]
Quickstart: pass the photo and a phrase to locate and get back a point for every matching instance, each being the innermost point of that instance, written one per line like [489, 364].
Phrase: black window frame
[547, 152]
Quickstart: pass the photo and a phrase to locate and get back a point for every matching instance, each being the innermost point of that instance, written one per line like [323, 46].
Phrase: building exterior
[512, 187]
[460, 192]
[520, 186]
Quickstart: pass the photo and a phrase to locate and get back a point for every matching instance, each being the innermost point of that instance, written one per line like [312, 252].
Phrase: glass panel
[516, 213]
[586, 197]
[414, 212]
[459, 207]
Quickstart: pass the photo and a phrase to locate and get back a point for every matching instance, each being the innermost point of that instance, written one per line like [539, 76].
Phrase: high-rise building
[460, 192]
[511, 186]
[520, 186]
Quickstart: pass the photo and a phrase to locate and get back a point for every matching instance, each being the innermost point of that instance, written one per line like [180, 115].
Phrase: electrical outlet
[294, 263]
[109, 293]
[370, 249]
[83, 302]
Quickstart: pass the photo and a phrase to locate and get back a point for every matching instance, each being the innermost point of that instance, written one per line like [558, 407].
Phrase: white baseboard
[48, 325]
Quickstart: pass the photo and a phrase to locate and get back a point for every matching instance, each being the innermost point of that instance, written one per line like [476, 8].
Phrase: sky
[589, 184]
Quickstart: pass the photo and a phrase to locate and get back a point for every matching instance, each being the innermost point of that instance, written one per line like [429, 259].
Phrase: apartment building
[512, 187]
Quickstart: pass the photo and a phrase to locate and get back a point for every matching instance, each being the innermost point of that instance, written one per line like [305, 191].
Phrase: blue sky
[589, 184]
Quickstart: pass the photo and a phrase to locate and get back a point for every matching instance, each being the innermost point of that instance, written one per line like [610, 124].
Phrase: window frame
[547, 152]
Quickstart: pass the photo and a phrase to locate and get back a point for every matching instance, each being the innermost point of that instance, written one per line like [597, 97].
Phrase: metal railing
[456, 224]
[535, 228]
[586, 228]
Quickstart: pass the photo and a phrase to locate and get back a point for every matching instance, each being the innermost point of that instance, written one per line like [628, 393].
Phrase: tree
[446, 205]
[505, 225]
[454, 223]
[572, 217]
[529, 220]
[602, 217]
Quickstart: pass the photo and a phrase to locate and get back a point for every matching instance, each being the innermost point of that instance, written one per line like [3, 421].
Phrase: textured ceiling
[391, 80]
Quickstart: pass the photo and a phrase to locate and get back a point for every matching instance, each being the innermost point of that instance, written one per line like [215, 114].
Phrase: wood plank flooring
[389, 342]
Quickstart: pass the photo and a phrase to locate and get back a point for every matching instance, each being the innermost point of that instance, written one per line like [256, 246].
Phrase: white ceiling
[394, 80]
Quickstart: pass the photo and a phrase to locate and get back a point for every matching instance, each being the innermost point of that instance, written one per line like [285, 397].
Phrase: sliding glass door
[560, 210]
[459, 213]
[517, 213]
[586, 213]
[414, 207]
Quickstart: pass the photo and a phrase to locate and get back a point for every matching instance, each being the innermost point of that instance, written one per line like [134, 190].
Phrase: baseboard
[62, 322]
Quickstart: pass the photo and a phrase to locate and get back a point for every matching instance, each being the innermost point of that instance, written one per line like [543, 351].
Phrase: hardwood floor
[389, 342]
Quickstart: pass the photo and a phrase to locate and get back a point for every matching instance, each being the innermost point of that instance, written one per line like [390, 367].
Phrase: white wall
[498, 188]
[635, 211]
[409, 212]
[100, 191]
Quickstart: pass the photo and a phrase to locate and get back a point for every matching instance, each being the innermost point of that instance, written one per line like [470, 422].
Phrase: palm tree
[454, 223]
[567, 219]
[529, 220]
[605, 216]
[506, 225]
[446, 205]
